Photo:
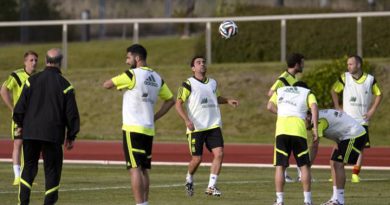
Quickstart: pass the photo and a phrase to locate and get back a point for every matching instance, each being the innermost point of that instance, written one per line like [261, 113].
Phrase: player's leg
[282, 152]
[146, 183]
[16, 152]
[195, 144]
[214, 143]
[52, 157]
[137, 150]
[31, 153]
[301, 154]
[357, 167]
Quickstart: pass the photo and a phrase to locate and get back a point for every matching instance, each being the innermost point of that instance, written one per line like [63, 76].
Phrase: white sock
[189, 178]
[334, 196]
[145, 203]
[279, 197]
[285, 173]
[213, 180]
[307, 196]
[16, 170]
[340, 196]
[299, 172]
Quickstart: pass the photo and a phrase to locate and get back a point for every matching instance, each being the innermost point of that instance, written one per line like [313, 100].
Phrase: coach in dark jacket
[46, 108]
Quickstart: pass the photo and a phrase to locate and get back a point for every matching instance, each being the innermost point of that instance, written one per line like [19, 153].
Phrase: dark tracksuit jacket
[45, 110]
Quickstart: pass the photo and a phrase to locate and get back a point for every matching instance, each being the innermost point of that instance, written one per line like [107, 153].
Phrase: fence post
[208, 43]
[359, 36]
[283, 40]
[65, 46]
[135, 32]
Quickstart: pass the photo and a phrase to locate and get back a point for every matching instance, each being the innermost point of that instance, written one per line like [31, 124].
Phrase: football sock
[299, 172]
[279, 197]
[213, 180]
[189, 178]
[334, 196]
[16, 170]
[307, 195]
[356, 170]
[340, 196]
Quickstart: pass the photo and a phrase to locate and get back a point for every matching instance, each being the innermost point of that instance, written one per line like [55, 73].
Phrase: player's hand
[69, 144]
[368, 115]
[233, 102]
[190, 125]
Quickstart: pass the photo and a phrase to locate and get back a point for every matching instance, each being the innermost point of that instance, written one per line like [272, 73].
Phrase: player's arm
[378, 98]
[182, 95]
[125, 80]
[6, 96]
[165, 94]
[271, 105]
[337, 87]
[108, 84]
[72, 117]
[232, 102]
[312, 102]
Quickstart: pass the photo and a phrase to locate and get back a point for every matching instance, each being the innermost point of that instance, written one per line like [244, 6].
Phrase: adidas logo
[204, 101]
[340, 157]
[151, 81]
[353, 99]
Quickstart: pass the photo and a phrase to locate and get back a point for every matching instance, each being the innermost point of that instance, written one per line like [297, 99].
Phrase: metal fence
[207, 21]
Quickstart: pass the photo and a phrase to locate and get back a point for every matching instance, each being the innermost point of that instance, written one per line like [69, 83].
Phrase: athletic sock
[307, 196]
[334, 196]
[16, 170]
[213, 180]
[340, 196]
[356, 170]
[279, 197]
[189, 178]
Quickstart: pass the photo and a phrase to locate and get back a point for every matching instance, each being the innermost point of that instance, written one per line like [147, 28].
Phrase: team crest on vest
[151, 81]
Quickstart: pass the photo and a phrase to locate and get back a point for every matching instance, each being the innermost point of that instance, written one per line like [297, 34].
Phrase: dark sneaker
[189, 188]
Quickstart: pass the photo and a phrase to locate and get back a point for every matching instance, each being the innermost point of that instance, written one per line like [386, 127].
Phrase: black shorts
[287, 143]
[348, 151]
[13, 128]
[211, 138]
[366, 138]
[137, 148]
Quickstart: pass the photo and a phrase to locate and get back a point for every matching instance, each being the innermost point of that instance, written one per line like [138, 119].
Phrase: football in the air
[228, 29]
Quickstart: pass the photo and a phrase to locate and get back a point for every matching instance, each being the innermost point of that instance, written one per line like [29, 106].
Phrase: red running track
[178, 152]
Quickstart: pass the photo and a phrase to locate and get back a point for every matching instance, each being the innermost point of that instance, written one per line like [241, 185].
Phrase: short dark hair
[301, 84]
[138, 50]
[194, 58]
[30, 52]
[293, 59]
[357, 58]
[54, 59]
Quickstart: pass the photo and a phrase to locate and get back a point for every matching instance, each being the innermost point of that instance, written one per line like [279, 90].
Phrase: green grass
[104, 184]
[93, 62]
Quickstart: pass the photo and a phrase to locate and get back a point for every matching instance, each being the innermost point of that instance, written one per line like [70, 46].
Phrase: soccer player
[358, 90]
[142, 86]
[295, 65]
[350, 136]
[291, 104]
[10, 92]
[203, 121]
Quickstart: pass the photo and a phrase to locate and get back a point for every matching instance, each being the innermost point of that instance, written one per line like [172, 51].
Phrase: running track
[178, 152]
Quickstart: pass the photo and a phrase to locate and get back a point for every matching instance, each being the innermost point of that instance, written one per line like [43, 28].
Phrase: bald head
[54, 57]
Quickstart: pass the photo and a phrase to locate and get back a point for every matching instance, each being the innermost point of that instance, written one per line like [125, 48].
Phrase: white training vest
[202, 104]
[292, 101]
[341, 126]
[138, 103]
[357, 97]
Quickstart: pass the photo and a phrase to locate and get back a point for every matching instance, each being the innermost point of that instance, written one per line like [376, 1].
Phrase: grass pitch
[109, 184]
